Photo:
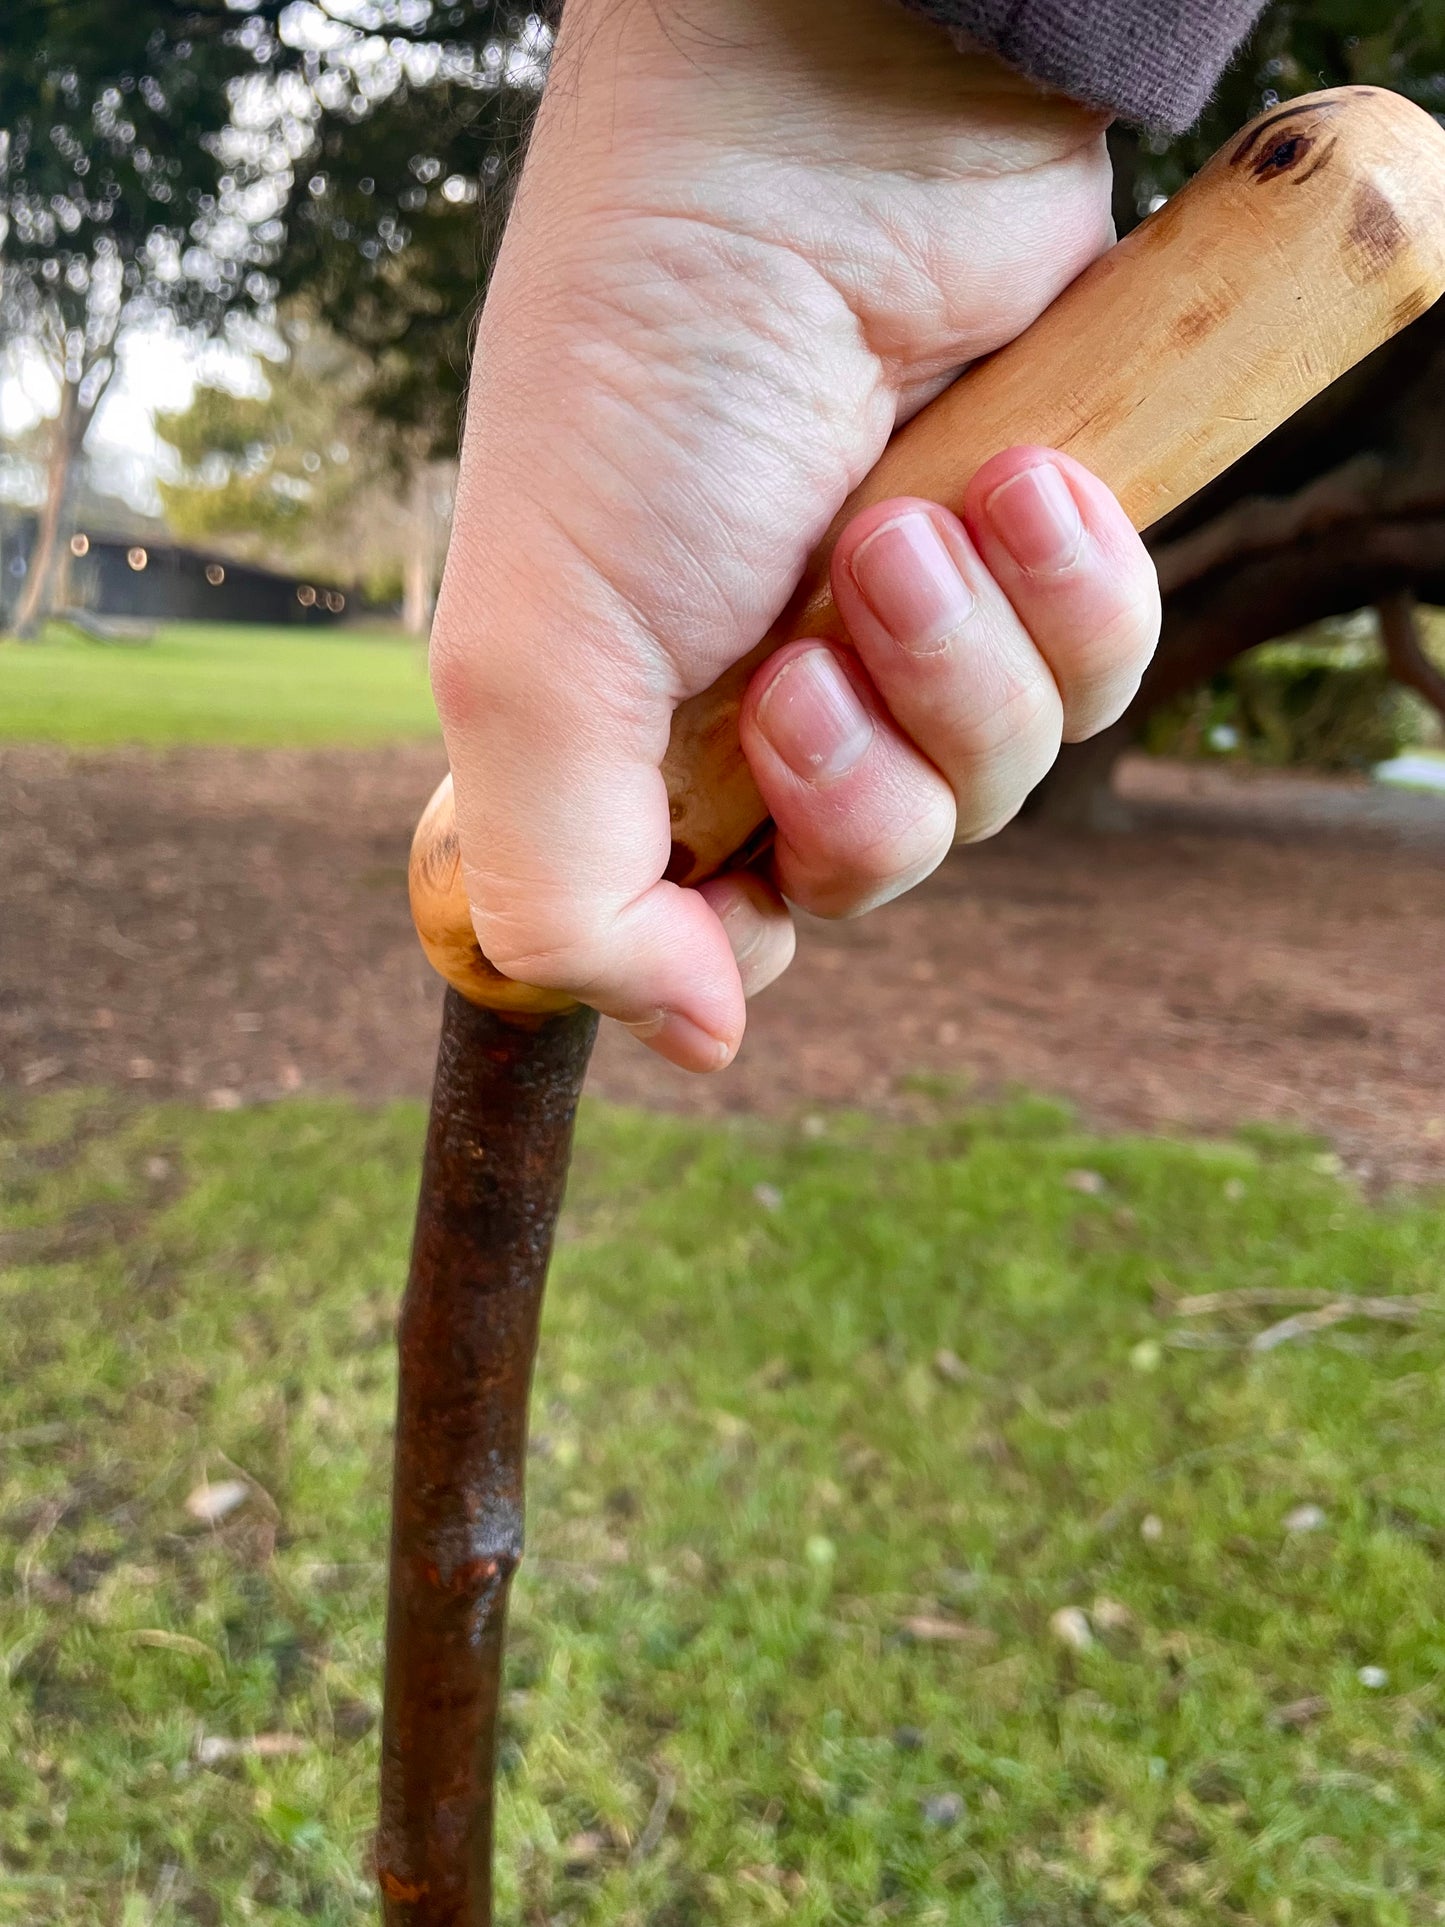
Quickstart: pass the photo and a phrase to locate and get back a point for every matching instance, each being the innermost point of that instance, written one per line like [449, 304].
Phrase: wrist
[850, 133]
[859, 84]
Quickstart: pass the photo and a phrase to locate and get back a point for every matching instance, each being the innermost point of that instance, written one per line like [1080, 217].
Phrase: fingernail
[811, 715]
[1035, 516]
[744, 931]
[645, 1028]
[679, 1037]
[912, 584]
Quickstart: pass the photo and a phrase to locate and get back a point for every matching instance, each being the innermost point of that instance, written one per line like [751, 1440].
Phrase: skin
[751, 237]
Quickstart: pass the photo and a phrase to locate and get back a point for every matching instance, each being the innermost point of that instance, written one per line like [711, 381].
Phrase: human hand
[749, 240]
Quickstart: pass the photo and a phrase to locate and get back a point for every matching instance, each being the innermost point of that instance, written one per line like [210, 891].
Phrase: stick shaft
[495, 1166]
[1305, 243]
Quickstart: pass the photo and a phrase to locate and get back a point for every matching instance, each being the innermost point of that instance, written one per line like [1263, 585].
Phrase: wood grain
[1310, 238]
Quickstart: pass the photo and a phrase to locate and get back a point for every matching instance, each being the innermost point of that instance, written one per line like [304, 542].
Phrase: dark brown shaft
[495, 1167]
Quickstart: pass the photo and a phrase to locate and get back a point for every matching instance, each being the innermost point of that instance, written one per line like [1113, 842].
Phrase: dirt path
[1259, 947]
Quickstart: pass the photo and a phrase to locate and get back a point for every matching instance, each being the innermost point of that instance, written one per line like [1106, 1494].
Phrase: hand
[751, 237]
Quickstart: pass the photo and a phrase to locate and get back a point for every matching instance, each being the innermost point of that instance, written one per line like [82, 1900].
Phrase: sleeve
[1153, 62]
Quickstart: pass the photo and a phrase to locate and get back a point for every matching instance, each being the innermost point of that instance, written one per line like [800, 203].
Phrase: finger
[1073, 566]
[563, 822]
[861, 814]
[949, 656]
[758, 924]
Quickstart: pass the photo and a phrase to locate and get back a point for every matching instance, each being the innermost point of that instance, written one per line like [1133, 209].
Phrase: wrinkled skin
[751, 237]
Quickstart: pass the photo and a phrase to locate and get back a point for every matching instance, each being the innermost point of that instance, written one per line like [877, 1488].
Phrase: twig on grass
[1266, 1297]
[1392, 1311]
[1317, 1310]
[656, 1820]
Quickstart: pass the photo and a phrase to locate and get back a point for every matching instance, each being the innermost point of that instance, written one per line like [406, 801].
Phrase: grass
[830, 1424]
[216, 683]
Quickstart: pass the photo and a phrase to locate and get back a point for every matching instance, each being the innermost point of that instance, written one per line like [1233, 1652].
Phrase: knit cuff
[1152, 62]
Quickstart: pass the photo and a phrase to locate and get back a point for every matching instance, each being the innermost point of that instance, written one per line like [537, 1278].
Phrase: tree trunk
[419, 567]
[1405, 649]
[1078, 791]
[52, 531]
[416, 594]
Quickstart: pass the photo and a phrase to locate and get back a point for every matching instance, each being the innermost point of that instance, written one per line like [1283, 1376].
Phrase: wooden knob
[1310, 238]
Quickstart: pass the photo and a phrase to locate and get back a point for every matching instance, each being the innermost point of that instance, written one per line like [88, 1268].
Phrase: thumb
[556, 706]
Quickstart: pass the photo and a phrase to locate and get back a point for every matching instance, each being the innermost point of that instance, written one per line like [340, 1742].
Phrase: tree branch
[1405, 650]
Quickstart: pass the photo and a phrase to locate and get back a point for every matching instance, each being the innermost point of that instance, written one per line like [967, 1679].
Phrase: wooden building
[136, 578]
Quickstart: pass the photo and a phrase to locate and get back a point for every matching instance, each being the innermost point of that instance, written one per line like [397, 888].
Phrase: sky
[159, 370]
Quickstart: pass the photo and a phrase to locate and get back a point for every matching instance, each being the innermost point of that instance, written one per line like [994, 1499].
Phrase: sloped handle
[1310, 238]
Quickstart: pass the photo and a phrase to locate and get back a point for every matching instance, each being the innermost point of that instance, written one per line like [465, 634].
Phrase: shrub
[1323, 702]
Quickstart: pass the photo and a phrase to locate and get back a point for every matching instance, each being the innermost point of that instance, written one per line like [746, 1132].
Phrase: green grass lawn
[831, 1423]
[216, 683]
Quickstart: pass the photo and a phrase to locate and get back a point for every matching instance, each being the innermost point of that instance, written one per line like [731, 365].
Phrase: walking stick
[1307, 241]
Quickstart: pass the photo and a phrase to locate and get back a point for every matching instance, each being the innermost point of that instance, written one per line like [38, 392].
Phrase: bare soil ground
[232, 925]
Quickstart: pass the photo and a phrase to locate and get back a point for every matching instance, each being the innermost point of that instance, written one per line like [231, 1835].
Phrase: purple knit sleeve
[1153, 62]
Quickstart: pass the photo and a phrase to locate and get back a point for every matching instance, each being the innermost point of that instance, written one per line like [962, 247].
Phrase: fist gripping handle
[1309, 239]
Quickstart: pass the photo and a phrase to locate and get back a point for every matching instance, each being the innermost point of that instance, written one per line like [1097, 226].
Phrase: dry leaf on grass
[1391, 1311]
[1091, 1183]
[950, 1367]
[212, 1748]
[1110, 1615]
[930, 1628]
[210, 1503]
[1070, 1627]
[1300, 1713]
[168, 1642]
[647, 1840]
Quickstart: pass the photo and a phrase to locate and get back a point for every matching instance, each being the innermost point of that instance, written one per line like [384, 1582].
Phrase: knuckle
[1002, 760]
[985, 807]
[874, 869]
[1023, 708]
[1000, 818]
[457, 669]
[1105, 672]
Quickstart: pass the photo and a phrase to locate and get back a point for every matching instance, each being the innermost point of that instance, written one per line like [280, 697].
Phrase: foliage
[1321, 700]
[145, 135]
[305, 476]
[126, 192]
[1297, 47]
[1292, 707]
[110, 188]
[786, 1642]
[394, 239]
[247, 468]
[153, 159]
[395, 236]
[221, 683]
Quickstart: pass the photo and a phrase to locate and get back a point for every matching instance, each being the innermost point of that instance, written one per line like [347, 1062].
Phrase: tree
[407, 193]
[118, 199]
[1296, 47]
[1339, 509]
[169, 157]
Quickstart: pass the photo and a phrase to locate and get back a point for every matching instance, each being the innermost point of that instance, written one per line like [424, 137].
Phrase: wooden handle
[1309, 239]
